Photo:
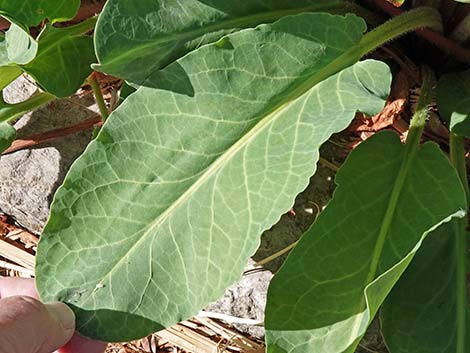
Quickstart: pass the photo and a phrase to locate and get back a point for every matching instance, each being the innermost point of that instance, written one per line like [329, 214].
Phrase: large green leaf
[333, 282]
[163, 209]
[136, 37]
[453, 98]
[420, 315]
[31, 12]
[64, 59]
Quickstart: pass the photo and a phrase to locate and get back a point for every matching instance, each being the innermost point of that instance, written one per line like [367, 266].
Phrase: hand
[29, 326]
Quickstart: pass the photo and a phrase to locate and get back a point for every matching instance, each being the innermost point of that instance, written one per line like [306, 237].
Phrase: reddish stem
[448, 45]
[36, 139]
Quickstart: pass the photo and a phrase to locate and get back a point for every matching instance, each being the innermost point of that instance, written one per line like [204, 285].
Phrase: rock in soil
[29, 178]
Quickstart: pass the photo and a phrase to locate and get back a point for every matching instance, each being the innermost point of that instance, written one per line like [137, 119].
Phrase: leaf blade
[72, 54]
[261, 131]
[337, 281]
[426, 294]
[173, 29]
[30, 13]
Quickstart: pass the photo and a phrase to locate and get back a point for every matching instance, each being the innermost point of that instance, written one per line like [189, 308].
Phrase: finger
[10, 286]
[28, 326]
[79, 344]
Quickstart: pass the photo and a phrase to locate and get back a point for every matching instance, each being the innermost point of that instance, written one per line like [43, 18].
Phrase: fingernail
[63, 314]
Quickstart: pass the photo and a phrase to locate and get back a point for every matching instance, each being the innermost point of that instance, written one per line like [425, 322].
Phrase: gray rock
[29, 178]
[246, 299]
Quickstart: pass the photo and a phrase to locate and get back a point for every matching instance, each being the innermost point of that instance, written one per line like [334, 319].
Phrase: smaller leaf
[21, 47]
[17, 46]
[64, 59]
[420, 314]
[31, 12]
[7, 136]
[135, 38]
[453, 99]
[333, 282]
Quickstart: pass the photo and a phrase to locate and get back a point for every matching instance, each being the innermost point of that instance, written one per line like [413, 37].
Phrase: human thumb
[29, 326]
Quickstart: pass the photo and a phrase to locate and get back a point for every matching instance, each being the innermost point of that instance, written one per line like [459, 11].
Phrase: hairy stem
[11, 111]
[419, 118]
[457, 156]
[433, 36]
[412, 142]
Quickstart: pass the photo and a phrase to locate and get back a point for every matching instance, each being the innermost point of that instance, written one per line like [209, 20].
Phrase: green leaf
[20, 48]
[333, 282]
[9, 112]
[64, 59]
[453, 98]
[162, 211]
[30, 12]
[7, 136]
[7, 75]
[126, 91]
[134, 38]
[60, 59]
[420, 314]
[16, 47]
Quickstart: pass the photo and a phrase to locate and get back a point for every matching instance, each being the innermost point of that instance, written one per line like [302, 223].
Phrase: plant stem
[95, 86]
[448, 45]
[419, 118]
[412, 142]
[276, 255]
[11, 111]
[36, 139]
[409, 21]
[457, 156]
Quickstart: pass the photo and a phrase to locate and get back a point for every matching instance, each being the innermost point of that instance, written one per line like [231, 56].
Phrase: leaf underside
[420, 315]
[134, 38]
[322, 300]
[162, 211]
